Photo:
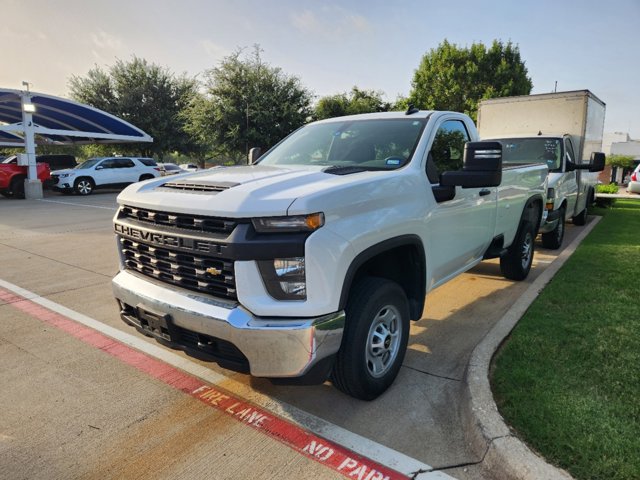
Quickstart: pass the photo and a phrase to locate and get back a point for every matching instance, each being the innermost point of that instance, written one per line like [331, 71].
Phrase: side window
[108, 163]
[149, 162]
[124, 163]
[568, 147]
[447, 149]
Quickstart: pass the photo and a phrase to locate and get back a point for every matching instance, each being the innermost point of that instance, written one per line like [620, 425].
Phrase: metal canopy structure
[60, 121]
[30, 118]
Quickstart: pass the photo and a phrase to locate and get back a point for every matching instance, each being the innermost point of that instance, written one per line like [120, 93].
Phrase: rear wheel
[146, 176]
[553, 239]
[516, 263]
[17, 186]
[84, 186]
[375, 338]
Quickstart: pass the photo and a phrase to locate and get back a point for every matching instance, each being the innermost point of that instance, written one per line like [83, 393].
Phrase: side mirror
[482, 167]
[254, 155]
[99, 167]
[596, 164]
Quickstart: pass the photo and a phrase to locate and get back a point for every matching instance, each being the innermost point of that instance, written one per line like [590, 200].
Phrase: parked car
[12, 177]
[55, 162]
[104, 172]
[169, 169]
[189, 167]
[634, 181]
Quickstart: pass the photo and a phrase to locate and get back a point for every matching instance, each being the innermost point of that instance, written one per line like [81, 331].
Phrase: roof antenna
[539, 132]
[411, 110]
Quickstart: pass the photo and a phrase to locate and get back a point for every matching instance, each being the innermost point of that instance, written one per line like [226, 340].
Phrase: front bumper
[273, 347]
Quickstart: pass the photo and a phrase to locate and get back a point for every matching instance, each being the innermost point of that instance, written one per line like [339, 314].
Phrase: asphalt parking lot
[80, 400]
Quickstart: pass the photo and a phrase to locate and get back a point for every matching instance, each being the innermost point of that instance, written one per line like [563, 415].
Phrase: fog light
[284, 278]
[291, 274]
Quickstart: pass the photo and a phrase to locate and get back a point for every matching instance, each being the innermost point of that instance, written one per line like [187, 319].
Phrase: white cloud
[107, 41]
[330, 22]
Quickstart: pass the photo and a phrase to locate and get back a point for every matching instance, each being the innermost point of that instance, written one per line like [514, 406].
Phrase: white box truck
[563, 130]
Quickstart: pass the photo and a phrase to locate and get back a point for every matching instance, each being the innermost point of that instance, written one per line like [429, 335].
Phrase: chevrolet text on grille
[167, 240]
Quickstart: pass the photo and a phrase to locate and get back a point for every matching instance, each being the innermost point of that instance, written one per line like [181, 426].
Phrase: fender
[412, 281]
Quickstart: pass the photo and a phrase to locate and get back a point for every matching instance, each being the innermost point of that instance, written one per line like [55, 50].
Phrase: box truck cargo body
[563, 130]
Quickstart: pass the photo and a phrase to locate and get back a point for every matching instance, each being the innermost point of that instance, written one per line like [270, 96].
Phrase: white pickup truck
[312, 262]
[563, 130]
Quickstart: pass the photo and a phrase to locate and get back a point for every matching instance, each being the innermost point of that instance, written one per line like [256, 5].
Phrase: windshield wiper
[349, 169]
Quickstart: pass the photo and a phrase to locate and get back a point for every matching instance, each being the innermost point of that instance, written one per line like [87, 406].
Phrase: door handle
[484, 191]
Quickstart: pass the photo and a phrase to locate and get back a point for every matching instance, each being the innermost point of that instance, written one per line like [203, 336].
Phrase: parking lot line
[337, 448]
[79, 204]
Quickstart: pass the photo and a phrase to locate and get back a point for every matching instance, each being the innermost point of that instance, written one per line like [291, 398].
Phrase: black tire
[17, 186]
[581, 218]
[516, 263]
[7, 193]
[375, 339]
[146, 176]
[553, 239]
[84, 186]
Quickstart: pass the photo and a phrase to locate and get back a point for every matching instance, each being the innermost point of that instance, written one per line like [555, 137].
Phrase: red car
[12, 177]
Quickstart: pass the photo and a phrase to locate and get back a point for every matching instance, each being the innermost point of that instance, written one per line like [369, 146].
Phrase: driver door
[461, 229]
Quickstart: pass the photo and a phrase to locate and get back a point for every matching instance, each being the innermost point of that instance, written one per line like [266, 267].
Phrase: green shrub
[611, 188]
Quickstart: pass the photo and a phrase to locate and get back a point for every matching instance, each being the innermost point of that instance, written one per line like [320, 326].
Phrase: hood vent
[199, 187]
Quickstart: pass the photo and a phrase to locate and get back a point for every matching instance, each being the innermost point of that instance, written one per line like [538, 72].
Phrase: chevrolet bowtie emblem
[213, 271]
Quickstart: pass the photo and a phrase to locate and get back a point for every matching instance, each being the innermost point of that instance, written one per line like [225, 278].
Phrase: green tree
[354, 102]
[248, 103]
[454, 78]
[146, 95]
[621, 161]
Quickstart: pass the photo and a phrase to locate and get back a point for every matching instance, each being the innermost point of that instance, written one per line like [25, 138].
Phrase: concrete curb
[505, 456]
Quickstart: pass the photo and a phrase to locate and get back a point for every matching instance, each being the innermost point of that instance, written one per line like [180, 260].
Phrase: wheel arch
[399, 259]
[529, 212]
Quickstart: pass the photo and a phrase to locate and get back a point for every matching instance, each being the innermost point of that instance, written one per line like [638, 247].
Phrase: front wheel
[581, 218]
[516, 263]
[17, 187]
[553, 239]
[83, 186]
[375, 339]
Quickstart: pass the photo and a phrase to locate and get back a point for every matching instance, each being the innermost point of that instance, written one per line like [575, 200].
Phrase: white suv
[104, 172]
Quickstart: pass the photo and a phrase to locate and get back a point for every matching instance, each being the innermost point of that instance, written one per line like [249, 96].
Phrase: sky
[330, 46]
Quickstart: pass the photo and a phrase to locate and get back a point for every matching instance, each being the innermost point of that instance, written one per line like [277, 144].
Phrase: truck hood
[238, 192]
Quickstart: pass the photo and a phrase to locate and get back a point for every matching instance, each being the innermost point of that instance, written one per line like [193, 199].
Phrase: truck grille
[212, 276]
[196, 223]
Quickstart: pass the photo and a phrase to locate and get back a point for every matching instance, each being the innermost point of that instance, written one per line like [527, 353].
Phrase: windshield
[88, 164]
[533, 150]
[381, 144]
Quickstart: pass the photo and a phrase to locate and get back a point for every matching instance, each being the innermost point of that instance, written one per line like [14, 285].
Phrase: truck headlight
[294, 223]
[284, 278]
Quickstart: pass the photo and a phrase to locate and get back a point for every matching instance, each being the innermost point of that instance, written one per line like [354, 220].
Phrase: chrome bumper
[274, 347]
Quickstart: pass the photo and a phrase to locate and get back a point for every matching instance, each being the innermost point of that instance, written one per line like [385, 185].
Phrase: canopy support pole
[32, 185]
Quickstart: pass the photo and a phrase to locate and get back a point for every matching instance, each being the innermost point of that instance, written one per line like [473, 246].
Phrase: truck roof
[385, 115]
[535, 96]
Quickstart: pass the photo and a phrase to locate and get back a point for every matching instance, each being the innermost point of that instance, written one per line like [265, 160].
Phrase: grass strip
[568, 378]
